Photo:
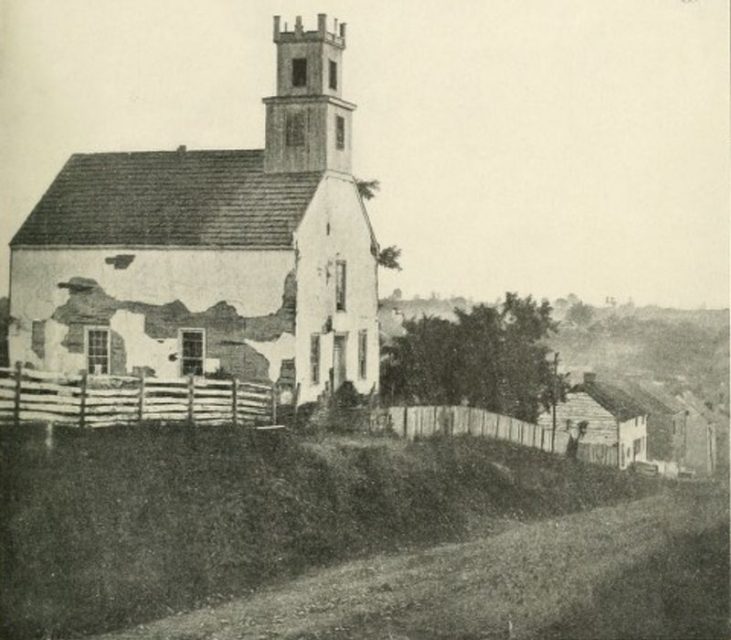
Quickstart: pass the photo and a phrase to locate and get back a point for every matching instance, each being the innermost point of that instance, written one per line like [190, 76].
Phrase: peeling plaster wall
[142, 350]
[275, 351]
[245, 300]
[335, 228]
[251, 281]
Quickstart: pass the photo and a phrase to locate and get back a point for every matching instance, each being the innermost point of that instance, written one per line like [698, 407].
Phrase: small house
[598, 413]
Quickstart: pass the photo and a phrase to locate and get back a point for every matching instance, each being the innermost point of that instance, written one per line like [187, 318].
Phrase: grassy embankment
[650, 568]
[118, 526]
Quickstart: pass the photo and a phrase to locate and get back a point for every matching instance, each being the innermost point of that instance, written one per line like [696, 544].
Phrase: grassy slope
[119, 526]
[587, 575]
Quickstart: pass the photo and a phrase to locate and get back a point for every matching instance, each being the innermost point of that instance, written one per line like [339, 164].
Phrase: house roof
[697, 406]
[174, 198]
[620, 404]
[651, 397]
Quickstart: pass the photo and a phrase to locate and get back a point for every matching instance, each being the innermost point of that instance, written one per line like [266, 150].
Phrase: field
[114, 527]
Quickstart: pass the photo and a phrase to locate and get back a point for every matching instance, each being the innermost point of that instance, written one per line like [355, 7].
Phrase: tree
[421, 365]
[493, 357]
[367, 188]
[580, 313]
[388, 257]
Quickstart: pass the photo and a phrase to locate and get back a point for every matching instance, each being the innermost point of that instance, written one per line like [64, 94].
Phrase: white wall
[336, 204]
[251, 281]
[629, 431]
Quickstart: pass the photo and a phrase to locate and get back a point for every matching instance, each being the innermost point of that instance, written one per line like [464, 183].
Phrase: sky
[537, 146]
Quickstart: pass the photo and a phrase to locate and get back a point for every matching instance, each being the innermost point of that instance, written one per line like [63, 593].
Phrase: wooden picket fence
[424, 421]
[28, 395]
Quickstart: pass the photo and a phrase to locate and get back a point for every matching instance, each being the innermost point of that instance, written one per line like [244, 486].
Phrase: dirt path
[526, 579]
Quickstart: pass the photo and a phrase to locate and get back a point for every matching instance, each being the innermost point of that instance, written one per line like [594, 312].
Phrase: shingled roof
[180, 198]
[651, 397]
[620, 404]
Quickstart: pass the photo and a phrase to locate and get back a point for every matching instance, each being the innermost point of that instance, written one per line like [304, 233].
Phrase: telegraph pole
[554, 394]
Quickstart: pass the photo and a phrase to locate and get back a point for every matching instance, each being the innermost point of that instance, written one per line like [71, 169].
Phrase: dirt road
[522, 583]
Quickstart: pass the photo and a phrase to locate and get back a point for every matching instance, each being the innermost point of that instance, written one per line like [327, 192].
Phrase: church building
[259, 264]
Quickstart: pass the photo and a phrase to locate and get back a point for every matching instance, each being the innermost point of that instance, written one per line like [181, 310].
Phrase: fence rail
[422, 421]
[99, 401]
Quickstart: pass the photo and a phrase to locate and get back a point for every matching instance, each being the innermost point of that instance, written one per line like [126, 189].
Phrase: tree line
[491, 357]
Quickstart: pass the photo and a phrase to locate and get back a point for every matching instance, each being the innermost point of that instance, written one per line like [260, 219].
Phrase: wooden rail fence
[99, 401]
[423, 421]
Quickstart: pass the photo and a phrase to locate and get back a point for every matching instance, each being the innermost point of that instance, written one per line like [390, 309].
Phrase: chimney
[182, 149]
[589, 377]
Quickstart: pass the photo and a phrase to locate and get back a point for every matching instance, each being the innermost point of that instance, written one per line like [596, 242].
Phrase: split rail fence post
[141, 416]
[191, 397]
[82, 409]
[18, 388]
[234, 401]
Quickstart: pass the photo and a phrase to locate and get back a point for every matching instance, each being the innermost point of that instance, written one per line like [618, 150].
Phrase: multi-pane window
[295, 135]
[192, 346]
[333, 75]
[340, 285]
[97, 351]
[339, 132]
[315, 358]
[362, 353]
[299, 72]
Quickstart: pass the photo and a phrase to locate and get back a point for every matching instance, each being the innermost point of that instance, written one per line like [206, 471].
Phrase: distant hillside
[393, 311]
[416, 307]
[685, 354]
[686, 349]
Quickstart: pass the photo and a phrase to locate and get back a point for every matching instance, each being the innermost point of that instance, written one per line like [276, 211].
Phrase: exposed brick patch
[78, 285]
[120, 261]
[38, 338]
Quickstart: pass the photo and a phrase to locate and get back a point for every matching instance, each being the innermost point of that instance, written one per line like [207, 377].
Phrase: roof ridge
[137, 152]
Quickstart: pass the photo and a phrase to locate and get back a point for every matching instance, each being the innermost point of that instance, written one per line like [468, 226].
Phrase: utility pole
[554, 394]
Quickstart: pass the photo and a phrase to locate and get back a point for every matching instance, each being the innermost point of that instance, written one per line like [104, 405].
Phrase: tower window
[339, 132]
[299, 72]
[295, 135]
[333, 75]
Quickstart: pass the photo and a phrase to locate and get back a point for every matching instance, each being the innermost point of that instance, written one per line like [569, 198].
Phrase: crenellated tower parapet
[309, 125]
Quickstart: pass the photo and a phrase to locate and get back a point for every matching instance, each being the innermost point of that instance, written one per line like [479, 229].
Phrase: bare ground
[531, 581]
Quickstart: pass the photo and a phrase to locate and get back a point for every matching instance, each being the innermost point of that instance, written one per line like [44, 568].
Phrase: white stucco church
[259, 264]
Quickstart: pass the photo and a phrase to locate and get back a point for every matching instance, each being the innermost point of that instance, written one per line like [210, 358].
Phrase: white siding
[602, 428]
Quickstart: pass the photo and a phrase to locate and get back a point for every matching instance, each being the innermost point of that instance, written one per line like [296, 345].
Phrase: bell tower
[308, 124]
